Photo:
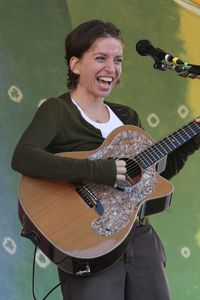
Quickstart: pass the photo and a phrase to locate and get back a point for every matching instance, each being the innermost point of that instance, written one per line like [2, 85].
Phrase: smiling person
[80, 120]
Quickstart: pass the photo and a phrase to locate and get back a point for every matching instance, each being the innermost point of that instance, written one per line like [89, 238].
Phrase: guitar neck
[167, 145]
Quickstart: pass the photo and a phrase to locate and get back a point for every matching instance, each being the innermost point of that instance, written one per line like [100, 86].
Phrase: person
[81, 119]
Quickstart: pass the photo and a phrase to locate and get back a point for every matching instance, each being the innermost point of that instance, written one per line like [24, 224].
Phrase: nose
[110, 66]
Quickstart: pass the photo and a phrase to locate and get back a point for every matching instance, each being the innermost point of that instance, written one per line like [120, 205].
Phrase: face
[100, 67]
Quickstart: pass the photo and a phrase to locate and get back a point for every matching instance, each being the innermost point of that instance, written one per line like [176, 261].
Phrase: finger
[121, 170]
[120, 163]
[121, 177]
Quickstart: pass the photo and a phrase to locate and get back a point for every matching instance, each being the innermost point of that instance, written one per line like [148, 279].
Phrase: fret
[142, 162]
[180, 137]
[160, 149]
[144, 159]
[191, 130]
[163, 149]
[187, 133]
[153, 152]
[197, 127]
[172, 142]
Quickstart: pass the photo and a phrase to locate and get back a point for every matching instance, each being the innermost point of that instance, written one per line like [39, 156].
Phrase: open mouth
[105, 80]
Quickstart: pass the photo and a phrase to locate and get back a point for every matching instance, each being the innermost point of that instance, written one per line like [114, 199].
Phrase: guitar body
[75, 236]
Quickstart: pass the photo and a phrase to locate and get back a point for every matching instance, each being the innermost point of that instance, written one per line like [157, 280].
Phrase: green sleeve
[177, 159]
[31, 157]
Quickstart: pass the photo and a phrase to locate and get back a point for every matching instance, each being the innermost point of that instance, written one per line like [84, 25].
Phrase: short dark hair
[81, 39]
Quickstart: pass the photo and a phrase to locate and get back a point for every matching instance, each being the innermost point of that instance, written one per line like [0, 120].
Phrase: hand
[121, 170]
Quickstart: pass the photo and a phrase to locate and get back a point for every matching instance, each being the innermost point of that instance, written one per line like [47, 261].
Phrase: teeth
[104, 78]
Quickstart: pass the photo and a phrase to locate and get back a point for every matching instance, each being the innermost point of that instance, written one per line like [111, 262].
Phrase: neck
[85, 100]
[94, 108]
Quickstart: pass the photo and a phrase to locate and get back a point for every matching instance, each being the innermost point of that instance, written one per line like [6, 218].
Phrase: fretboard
[165, 146]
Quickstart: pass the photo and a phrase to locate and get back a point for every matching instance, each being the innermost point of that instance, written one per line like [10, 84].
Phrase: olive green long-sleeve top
[59, 127]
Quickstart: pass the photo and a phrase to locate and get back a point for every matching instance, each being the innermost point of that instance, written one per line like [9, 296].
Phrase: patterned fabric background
[32, 69]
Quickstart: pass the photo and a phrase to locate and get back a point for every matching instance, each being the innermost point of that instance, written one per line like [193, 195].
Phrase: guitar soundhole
[134, 172]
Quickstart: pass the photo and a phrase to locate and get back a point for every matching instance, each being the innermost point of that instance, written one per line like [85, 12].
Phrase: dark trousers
[138, 275]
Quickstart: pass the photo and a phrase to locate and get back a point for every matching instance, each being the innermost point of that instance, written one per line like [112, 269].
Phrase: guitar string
[146, 154]
[158, 150]
[171, 140]
[133, 170]
[88, 193]
[179, 137]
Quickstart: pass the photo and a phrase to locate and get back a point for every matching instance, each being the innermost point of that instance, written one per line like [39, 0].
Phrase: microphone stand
[183, 70]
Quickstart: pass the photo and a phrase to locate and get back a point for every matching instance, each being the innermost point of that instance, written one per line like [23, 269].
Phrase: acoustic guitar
[86, 228]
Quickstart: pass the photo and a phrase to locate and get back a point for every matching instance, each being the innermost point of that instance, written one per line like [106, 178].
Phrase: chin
[105, 93]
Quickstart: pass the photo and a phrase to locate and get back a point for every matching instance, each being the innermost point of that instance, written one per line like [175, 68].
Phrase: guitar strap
[123, 113]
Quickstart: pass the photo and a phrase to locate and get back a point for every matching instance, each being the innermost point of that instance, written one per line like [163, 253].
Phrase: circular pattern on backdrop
[185, 252]
[41, 259]
[153, 120]
[9, 245]
[183, 111]
[15, 94]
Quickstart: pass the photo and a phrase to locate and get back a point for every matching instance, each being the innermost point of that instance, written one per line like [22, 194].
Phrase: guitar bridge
[84, 195]
[85, 191]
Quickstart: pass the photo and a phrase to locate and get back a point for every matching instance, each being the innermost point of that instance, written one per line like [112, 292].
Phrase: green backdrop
[32, 69]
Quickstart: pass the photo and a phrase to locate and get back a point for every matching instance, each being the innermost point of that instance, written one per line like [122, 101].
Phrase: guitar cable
[33, 278]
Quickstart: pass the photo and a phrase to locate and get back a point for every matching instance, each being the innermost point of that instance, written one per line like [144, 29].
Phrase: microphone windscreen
[142, 47]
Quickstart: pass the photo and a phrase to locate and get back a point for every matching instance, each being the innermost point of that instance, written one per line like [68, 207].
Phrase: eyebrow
[102, 53]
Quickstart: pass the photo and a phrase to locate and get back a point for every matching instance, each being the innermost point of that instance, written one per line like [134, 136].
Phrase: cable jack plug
[32, 235]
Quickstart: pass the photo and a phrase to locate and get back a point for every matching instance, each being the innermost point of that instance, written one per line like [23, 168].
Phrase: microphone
[144, 48]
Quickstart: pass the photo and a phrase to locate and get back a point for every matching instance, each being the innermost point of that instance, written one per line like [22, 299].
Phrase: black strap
[123, 113]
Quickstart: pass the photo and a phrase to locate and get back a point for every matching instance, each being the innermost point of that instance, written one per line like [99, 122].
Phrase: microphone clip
[159, 65]
[183, 70]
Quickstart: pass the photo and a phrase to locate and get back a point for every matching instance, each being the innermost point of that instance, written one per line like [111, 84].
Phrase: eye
[100, 58]
[118, 61]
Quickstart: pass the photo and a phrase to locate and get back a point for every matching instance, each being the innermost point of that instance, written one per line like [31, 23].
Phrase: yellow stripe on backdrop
[190, 35]
[190, 32]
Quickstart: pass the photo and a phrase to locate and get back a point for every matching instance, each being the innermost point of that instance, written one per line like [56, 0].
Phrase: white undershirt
[105, 128]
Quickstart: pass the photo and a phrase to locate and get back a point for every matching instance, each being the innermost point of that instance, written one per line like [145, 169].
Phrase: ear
[74, 65]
